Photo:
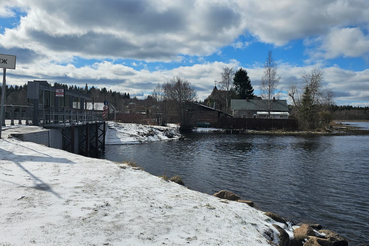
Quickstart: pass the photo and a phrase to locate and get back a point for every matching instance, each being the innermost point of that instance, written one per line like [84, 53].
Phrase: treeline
[349, 112]
[17, 95]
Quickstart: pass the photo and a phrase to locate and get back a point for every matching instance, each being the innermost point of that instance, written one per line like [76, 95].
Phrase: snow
[209, 129]
[125, 133]
[53, 197]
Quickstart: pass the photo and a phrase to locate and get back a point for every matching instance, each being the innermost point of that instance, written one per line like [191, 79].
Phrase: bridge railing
[17, 114]
[20, 114]
[52, 115]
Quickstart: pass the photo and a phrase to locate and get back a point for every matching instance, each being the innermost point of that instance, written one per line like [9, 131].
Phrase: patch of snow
[209, 129]
[126, 133]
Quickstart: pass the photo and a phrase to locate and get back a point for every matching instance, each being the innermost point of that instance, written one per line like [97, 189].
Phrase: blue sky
[133, 45]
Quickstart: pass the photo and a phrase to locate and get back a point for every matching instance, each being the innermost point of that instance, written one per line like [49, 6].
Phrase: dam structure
[66, 121]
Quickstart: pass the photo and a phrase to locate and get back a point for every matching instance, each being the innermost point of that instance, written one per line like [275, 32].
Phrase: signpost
[6, 61]
[59, 92]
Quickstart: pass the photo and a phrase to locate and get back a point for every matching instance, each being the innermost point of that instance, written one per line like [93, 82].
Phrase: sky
[131, 46]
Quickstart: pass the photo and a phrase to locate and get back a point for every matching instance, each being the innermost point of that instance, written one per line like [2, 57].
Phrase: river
[317, 179]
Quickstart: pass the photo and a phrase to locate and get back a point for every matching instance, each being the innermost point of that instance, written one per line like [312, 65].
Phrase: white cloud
[53, 32]
[240, 45]
[348, 42]
[140, 29]
[279, 22]
[163, 31]
[5, 9]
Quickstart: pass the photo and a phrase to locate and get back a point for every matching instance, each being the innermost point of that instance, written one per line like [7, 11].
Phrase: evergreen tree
[242, 84]
[308, 113]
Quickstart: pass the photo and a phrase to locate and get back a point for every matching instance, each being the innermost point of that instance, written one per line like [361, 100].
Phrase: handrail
[51, 115]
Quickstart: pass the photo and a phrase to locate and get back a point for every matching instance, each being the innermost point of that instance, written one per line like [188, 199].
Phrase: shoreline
[211, 206]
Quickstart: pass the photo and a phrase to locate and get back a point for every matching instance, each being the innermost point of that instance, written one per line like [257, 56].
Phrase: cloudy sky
[133, 45]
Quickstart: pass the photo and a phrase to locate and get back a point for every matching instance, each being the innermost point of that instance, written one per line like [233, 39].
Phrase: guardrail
[18, 114]
[21, 114]
[52, 115]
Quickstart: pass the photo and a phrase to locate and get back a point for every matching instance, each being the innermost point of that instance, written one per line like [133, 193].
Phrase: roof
[259, 105]
[210, 108]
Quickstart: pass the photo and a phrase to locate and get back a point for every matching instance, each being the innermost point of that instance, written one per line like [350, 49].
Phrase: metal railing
[20, 114]
[52, 115]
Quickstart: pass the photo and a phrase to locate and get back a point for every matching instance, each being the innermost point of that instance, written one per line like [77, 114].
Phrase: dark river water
[320, 179]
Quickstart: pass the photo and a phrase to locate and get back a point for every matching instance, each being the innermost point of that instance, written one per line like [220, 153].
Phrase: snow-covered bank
[126, 133]
[52, 197]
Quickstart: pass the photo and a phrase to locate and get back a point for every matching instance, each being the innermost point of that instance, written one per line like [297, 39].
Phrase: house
[259, 108]
[203, 116]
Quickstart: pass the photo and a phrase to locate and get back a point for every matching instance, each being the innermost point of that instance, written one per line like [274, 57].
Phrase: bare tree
[313, 104]
[226, 83]
[178, 92]
[162, 101]
[269, 81]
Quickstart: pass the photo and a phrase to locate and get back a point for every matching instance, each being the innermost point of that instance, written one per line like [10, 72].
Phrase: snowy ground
[125, 133]
[52, 197]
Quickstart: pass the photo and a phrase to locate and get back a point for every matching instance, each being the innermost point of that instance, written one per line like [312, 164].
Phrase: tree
[226, 83]
[162, 100]
[178, 92]
[242, 84]
[269, 81]
[312, 107]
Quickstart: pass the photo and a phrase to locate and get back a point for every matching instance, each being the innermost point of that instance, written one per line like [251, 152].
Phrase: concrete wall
[51, 138]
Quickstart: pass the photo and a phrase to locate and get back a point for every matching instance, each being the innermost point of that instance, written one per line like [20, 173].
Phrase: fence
[17, 114]
[257, 124]
[50, 115]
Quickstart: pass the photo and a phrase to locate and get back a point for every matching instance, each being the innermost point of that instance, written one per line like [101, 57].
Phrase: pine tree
[242, 84]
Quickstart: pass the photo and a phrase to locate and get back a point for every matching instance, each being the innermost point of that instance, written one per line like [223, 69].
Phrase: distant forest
[17, 95]
[349, 113]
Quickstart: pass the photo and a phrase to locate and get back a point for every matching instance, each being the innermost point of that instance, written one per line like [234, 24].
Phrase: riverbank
[52, 197]
[335, 129]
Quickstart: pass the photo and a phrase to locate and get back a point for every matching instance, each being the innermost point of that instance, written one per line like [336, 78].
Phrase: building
[259, 108]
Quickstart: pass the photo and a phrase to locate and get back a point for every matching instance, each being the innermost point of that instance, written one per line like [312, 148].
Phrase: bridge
[71, 126]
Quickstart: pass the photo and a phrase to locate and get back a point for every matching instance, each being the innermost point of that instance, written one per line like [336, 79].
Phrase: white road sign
[7, 61]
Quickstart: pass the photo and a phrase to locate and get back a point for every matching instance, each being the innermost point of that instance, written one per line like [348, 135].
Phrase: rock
[333, 235]
[250, 203]
[177, 179]
[304, 231]
[227, 195]
[316, 241]
[295, 242]
[275, 217]
[284, 238]
[316, 226]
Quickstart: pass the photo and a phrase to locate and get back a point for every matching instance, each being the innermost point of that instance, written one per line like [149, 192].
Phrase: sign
[59, 92]
[7, 61]
[106, 102]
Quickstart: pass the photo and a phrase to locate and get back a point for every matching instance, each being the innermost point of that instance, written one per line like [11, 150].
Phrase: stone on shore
[227, 195]
[275, 217]
[284, 238]
[303, 232]
[250, 203]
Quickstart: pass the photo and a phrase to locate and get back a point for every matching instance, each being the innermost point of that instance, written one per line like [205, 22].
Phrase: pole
[2, 115]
